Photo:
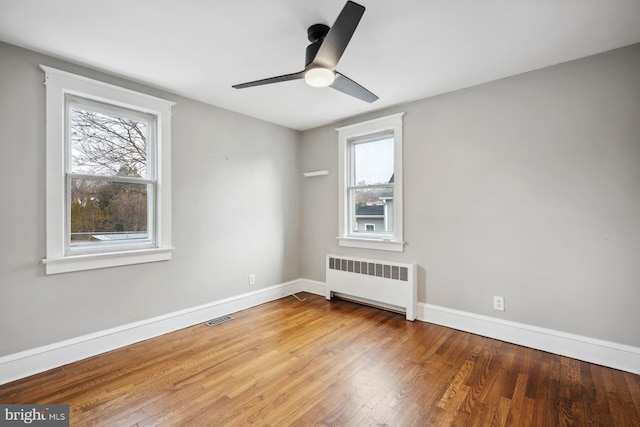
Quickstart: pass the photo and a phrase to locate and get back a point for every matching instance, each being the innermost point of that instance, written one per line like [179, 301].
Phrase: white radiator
[387, 284]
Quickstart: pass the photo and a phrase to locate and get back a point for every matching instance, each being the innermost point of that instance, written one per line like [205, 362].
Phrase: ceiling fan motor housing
[315, 34]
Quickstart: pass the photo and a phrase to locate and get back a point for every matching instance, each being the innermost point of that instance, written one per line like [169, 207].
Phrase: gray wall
[528, 187]
[236, 198]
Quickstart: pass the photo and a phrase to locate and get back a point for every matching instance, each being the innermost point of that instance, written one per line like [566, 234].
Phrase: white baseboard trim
[605, 353]
[600, 352]
[33, 361]
[36, 360]
[313, 287]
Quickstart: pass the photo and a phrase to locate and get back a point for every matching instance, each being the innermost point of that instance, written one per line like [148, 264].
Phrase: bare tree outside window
[107, 145]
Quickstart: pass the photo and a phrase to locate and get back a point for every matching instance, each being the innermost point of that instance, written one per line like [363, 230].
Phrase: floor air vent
[218, 320]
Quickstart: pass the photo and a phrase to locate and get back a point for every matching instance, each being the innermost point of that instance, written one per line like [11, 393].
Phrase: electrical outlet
[252, 279]
[498, 303]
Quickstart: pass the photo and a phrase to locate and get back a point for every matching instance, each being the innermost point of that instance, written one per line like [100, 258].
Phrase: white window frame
[357, 132]
[60, 85]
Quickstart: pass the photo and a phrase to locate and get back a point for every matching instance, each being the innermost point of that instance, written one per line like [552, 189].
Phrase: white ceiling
[403, 50]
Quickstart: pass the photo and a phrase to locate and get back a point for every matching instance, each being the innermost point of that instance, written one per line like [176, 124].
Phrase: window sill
[377, 243]
[103, 260]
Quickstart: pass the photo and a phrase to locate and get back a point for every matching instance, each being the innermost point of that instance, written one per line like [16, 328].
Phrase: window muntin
[110, 177]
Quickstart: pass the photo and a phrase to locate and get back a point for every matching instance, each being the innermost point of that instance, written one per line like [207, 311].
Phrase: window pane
[108, 211]
[373, 162]
[107, 143]
[372, 210]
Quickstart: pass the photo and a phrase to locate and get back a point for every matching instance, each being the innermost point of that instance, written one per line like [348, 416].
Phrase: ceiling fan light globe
[319, 77]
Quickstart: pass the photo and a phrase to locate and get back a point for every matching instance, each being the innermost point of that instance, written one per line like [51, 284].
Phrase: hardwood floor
[313, 362]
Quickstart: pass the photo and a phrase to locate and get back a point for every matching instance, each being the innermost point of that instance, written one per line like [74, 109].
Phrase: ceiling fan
[322, 56]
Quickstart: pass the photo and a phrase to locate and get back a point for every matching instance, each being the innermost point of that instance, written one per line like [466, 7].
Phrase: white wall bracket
[315, 173]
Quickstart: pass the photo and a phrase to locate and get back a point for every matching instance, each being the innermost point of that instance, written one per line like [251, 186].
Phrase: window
[108, 185]
[371, 184]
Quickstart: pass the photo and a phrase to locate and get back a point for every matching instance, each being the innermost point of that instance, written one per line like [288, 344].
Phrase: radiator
[386, 284]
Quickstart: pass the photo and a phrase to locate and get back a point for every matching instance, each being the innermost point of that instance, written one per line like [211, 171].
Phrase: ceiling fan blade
[284, 78]
[345, 85]
[336, 41]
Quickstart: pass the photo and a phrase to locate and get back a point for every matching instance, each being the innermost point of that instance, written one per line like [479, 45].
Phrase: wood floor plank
[484, 391]
[516, 409]
[538, 390]
[633, 383]
[602, 408]
[314, 362]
